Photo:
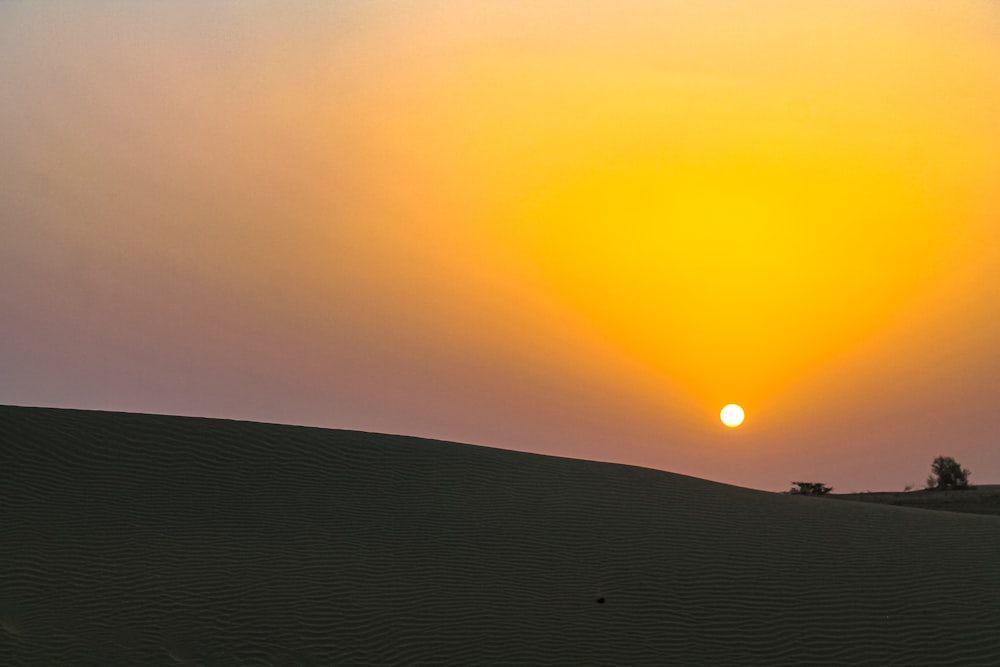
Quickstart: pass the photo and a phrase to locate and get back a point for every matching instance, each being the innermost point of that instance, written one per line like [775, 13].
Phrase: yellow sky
[733, 194]
[571, 227]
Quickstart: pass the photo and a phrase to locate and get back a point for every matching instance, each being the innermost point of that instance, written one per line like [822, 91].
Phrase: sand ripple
[136, 539]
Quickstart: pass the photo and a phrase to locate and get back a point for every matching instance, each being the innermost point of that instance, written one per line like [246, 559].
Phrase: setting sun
[546, 226]
[461, 284]
[731, 415]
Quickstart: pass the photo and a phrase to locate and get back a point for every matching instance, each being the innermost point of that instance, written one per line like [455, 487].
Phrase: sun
[731, 415]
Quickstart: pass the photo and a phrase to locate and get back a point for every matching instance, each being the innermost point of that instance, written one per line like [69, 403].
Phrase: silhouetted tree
[948, 474]
[811, 488]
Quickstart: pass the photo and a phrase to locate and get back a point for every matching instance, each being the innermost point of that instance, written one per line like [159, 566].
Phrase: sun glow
[730, 218]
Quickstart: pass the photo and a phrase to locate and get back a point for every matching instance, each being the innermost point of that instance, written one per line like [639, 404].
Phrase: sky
[573, 228]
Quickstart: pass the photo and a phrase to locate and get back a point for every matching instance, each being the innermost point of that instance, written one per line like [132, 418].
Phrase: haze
[570, 228]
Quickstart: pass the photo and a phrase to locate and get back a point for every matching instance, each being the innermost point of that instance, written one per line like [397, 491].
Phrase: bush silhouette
[948, 474]
[811, 488]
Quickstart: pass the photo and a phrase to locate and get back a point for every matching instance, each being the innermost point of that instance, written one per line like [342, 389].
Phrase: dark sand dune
[134, 539]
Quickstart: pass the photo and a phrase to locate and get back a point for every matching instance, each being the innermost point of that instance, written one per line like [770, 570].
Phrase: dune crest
[141, 539]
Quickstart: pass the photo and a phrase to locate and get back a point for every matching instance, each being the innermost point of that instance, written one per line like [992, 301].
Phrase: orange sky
[576, 228]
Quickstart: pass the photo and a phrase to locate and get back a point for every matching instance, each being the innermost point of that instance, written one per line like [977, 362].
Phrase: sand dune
[137, 539]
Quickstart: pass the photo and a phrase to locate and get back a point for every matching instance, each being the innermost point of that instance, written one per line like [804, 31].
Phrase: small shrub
[811, 488]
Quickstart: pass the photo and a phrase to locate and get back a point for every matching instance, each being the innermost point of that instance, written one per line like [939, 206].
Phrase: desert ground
[130, 539]
[980, 499]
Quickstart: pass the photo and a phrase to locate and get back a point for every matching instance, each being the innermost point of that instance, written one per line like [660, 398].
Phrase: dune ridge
[143, 539]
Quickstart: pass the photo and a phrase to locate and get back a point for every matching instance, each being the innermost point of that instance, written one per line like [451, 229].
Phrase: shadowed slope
[137, 539]
[979, 499]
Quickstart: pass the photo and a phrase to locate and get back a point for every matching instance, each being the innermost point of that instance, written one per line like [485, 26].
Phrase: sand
[980, 499]
[138, 539]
